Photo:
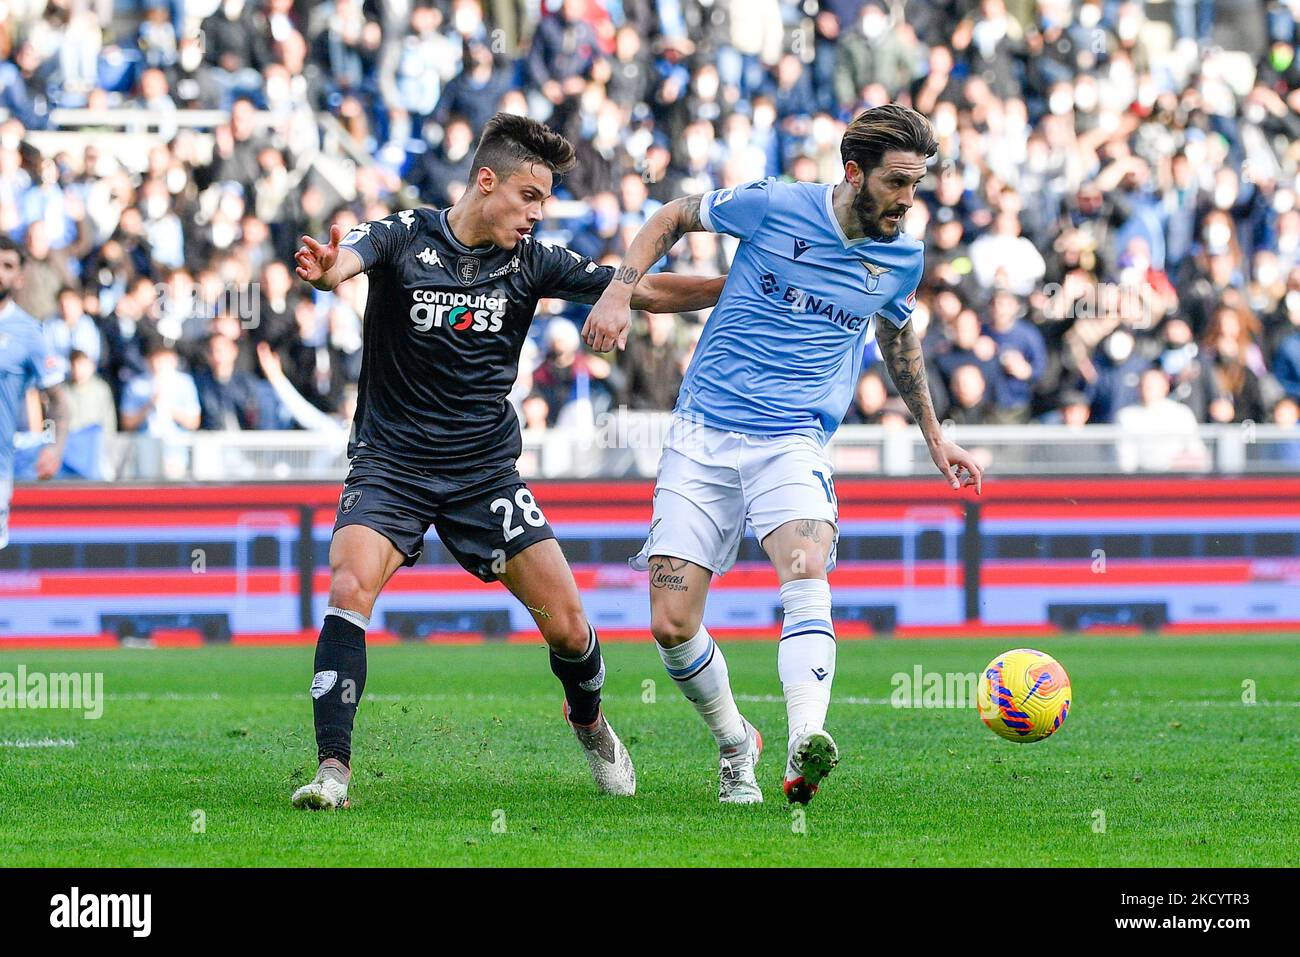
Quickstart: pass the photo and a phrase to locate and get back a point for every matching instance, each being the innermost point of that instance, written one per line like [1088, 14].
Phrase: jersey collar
[835, 223]
[461, 247]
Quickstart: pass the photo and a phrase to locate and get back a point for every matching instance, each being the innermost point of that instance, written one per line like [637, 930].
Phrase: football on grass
[1024, 695]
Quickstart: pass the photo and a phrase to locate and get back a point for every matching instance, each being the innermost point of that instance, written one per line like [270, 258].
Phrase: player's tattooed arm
[660, 234]
[668, 292]
[609, 321]
[57, 413]
[906, 363]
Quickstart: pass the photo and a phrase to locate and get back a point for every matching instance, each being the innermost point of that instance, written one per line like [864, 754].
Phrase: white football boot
[736, 781]
[611, 765]
[328, 789]
[812, 756]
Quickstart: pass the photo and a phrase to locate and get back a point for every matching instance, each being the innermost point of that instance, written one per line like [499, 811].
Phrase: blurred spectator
[1119, 372]
[162, 402]
[1072, 409]
[71, 330]
[1021, 353]
[563, 52]
[568, 375]
[971, 402]
[872, 404]
[1230, 389]
[652, 365]
[474, 93]
[1165, 432]
[970, 346]
[90, 400]
[228, 397]
[871, 52]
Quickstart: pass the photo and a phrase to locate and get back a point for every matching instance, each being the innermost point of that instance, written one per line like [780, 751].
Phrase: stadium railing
[629, 445]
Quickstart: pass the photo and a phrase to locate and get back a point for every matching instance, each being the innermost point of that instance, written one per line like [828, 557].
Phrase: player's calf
[338, 682]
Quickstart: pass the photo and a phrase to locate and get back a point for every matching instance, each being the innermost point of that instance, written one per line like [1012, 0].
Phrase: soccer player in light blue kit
[818, 270]
[24, 361]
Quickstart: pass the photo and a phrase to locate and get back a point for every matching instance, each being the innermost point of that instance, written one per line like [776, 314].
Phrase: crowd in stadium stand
[1115, 189]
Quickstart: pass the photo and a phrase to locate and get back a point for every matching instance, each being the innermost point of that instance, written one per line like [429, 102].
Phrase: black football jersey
[444, 326]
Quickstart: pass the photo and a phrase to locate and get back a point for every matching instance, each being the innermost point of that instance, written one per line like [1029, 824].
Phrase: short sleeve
[381, 242]
[899, 309]
[737, 210]
[45, 367]
[563, 274]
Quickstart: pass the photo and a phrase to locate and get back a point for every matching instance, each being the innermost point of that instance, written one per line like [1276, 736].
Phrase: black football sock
[339, 680]
[582, 678]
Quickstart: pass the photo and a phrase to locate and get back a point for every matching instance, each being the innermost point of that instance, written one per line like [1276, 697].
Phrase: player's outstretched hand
[957, 465]
[607, 324]
[315, 260]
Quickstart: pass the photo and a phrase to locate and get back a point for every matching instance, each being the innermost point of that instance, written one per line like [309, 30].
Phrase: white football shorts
[713, 483]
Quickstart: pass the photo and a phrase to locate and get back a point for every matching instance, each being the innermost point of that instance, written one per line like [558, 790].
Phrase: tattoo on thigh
[669, 573]
[809, 529]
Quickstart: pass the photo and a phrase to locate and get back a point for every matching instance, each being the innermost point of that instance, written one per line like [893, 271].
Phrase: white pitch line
[748, 698]
[39, 743]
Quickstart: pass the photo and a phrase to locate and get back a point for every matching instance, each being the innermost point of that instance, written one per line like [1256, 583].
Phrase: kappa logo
[350, 500]
[874, 273]
[407, 218]
[801, 246]
[467, 269]
[429, 257]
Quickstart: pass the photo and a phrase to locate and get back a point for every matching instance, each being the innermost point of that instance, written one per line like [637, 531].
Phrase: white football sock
[699, 669]
[805, 659]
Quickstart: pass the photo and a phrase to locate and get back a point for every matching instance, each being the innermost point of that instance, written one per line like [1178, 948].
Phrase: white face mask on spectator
[467, 19]
[1119, 346]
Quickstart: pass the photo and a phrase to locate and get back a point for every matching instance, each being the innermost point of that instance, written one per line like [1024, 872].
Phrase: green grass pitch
[462, 759]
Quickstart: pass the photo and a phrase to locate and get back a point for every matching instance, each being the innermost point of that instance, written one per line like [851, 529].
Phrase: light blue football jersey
[781, 351]
[24, 361]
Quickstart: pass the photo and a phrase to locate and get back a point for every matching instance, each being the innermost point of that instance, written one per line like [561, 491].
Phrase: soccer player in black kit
[434, 441]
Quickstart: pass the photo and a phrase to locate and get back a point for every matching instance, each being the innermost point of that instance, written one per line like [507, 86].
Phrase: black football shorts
[483, 525]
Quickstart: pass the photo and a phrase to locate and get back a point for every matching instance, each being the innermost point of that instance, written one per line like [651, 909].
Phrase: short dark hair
[8, 245]
[875, 132]
[509, 142]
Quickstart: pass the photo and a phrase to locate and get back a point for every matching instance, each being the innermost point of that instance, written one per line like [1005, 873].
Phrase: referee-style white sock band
[805, 599]
[358, 619]
[806, 656]
[699, 669]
